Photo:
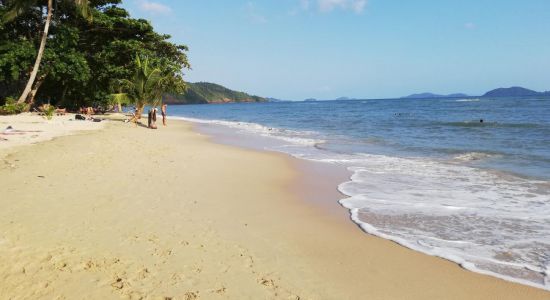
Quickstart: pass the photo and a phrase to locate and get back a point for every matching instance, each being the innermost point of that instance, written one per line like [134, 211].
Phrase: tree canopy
[83, 61]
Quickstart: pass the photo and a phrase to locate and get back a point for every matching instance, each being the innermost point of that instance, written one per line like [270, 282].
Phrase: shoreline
[140, 218]
[323, 192]
[332, 175]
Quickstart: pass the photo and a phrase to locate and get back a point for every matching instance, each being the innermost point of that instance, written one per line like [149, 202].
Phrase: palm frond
[16, 8]
[121, 98]
[82, 8]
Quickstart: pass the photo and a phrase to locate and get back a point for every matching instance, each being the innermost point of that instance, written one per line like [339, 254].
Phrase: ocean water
[427, 173]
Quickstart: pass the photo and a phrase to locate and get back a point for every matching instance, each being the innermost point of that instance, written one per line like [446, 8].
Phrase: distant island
[269, 99]
[210, 93]
[431, 95]
[515, 91]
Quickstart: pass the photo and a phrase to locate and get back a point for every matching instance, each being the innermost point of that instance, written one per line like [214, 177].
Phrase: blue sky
[297, 49]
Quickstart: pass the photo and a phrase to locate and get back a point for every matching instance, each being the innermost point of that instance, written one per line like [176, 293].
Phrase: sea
[467, 179]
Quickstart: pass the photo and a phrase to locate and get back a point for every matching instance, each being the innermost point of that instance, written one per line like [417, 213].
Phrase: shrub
[49, 111]
[12, 107]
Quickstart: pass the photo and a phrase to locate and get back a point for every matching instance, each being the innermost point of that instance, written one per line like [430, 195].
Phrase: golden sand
[167, 214]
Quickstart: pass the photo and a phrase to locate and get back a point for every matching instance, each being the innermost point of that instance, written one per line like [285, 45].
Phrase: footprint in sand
[143, 273]
[266, 282]
[191, 296]
[118, 284]
[220, 291]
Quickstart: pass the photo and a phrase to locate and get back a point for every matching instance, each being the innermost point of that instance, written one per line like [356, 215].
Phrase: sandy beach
[30, 128]
[125, 212]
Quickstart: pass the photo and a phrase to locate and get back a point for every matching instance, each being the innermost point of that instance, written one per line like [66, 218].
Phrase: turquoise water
[427, 173]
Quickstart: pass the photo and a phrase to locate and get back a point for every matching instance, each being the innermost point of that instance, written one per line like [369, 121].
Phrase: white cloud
[330, 5]
[253, 14]
[357, 6]
[154, 7]
[470, 26]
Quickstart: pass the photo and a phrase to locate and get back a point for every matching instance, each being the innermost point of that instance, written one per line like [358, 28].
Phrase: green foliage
[121, 99]
[49, 111]
[11, 107]
[83, 59]
[16, 8]
[146, 87]
[204, 92]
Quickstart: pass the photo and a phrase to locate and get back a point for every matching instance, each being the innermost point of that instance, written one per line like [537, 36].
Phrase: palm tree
[146, 87]
[18, 7]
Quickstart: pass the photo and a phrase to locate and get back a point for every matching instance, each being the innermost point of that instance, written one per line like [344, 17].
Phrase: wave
[467, 100]
[475, 156]
[485, 221]
[291, 136]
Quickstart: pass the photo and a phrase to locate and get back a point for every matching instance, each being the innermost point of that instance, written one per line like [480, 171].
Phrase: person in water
[163, 112]
[480, 120]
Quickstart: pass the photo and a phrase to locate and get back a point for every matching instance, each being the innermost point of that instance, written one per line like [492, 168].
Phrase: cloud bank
[154, 7]
[325, 6]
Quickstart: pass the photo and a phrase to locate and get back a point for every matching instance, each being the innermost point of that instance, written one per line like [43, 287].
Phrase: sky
[325, 49]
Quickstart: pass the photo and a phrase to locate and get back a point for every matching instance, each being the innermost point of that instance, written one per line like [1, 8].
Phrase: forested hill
[515, 91]
[205, 92]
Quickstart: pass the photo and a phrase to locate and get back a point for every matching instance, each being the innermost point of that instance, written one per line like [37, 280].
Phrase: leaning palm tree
[146, 87]
[18, 7]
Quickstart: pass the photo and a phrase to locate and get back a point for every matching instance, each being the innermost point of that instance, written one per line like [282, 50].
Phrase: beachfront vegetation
[16, 8]
[205, 92]
[147, 86]
[11, 107]
[83, 61]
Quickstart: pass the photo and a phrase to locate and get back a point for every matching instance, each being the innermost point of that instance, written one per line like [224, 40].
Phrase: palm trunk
[34, 72]
[33, 92]
[64, 93]
[138, 113]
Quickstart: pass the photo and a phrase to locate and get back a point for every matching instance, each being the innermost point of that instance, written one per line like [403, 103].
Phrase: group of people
[89, 111]
[152, 117]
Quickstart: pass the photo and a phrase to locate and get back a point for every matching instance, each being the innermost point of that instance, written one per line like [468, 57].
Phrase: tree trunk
[33, 92]
[138, 113]
[34, 72]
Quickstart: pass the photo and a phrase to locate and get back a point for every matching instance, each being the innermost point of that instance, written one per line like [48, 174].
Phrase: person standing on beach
[155, 117]
[163, 112]
[152, 118]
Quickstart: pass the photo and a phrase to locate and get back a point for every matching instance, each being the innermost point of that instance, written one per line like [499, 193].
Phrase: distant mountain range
[207, 93]
[515, 91]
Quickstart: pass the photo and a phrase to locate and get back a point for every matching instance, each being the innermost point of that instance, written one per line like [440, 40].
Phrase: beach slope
[168, 214]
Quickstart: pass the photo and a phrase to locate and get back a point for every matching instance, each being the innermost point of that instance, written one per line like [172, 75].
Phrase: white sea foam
[474, 156]
[487, 222]
[291, 136]
[467, 100]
